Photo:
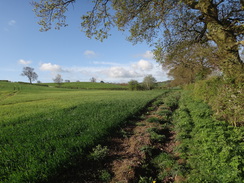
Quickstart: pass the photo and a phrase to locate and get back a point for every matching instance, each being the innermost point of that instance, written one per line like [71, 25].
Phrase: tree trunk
[225, 38]
[230, 61]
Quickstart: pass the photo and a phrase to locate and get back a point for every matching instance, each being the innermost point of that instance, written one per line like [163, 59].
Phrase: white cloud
[143, 65]
[90, 53]
[24, 62]
[148, 55]
[11, 22]
[108, 72]
[121, 72]
[50, 67]
[106, 63]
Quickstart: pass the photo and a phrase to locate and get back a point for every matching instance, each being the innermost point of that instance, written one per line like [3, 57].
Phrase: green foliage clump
[105, 176]
[134, 85]
[172, 100]
[145, 179]
[153, 120]
[213, 149]
[166, 165]
[155, 135]
[225, 98]
[99, 152]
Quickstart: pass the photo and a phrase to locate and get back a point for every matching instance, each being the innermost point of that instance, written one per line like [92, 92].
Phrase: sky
[68, 51]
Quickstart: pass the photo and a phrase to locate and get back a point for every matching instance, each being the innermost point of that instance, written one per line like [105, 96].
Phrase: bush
[99, 153]
[226, 99]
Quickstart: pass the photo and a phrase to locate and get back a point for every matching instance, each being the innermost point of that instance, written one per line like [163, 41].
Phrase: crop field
[43, 128]
[89, 85]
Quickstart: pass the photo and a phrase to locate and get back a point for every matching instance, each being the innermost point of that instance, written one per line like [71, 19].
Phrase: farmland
[43, 128]
[88, 85]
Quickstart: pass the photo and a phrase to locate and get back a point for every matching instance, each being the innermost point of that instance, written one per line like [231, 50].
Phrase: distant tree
[39, 81]
[29, 73]
[133, 85]
[58, 79]
[101, 81]
[93, 80]
[67, 81]
[149, 82]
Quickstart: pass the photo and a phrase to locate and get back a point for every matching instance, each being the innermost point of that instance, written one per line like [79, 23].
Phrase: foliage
[166, 165]
[155, 135]
[226, 99]
[29, 73]
[42, 128]
[99, 153]
[105, 176]
[187, 62]
[149, 82]
[134, 85]
[153, 120]
[219, 21]
[146, 180]
[172, 100]
[213, 150]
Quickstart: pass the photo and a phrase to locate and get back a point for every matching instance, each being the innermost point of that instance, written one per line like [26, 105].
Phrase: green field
[43, 128]
[88, 85]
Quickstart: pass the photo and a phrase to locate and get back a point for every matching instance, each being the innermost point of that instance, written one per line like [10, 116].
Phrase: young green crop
[43, 128]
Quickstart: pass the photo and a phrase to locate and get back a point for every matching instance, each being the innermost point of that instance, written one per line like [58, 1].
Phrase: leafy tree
[188, 63]
[149, 82]
[29, 73]
[174, 21]
[58, 79]
[133, 85]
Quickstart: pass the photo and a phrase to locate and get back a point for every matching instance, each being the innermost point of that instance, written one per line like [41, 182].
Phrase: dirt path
[129, 150]
[129, 153]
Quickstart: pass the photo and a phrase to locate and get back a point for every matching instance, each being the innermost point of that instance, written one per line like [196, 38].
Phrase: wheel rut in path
[128, 154]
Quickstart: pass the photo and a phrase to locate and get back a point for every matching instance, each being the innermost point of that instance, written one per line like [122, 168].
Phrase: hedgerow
[214, 150]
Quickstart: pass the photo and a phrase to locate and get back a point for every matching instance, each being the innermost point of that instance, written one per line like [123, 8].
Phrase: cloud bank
[107, 71]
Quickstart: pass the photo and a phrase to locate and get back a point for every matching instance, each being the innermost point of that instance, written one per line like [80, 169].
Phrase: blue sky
[68, 51]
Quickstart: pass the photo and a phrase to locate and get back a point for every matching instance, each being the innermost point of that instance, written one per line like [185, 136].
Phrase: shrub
[225, 98]
[105, 176]
[99, 152]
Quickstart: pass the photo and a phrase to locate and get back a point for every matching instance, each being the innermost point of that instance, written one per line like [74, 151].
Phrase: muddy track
[130, 148]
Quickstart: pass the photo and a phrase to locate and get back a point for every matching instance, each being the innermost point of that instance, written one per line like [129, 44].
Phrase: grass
[88, 85]
[43, 128]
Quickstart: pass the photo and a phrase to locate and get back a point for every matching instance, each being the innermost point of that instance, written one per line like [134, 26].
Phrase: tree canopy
[165, 22]
[29, 73]
[149, 82]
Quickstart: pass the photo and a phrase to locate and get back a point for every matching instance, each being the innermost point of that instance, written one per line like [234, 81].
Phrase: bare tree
[58, 79]
[93, 80]
[29, 73]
